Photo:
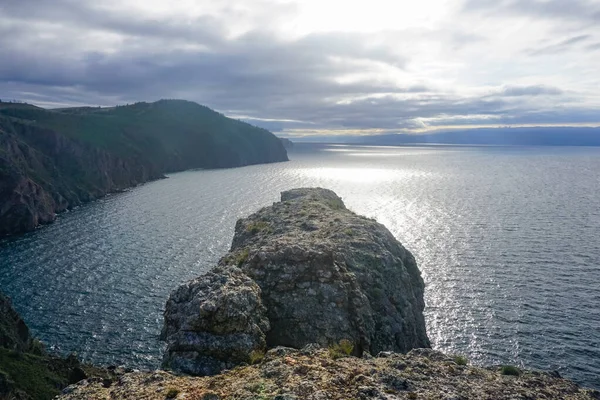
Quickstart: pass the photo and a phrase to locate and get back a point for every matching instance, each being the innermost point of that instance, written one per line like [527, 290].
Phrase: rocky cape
[304, 270]
[53, 160]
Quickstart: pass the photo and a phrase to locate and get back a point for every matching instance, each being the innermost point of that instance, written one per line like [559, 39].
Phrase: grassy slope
[31, 374]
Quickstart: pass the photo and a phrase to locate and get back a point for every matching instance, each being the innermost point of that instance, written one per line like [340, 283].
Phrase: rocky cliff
[287, 143]
[304, 270]
[51, 160]
[14, 334]
[43, 173]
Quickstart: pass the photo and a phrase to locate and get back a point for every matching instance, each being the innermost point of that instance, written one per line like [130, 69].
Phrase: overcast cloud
[314, 66]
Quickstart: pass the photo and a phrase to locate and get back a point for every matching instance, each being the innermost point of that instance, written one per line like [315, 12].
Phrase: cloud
[243, 59]
[534, 90]
[585, 11]
[560, 47]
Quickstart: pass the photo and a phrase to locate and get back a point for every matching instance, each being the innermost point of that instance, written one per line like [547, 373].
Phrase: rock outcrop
[312, 271]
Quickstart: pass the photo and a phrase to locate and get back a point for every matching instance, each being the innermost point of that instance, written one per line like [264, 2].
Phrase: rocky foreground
[319, 374]
[305, 273]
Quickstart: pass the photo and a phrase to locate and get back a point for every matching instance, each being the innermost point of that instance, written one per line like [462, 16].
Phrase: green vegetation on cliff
[51, 160]
[27, 371]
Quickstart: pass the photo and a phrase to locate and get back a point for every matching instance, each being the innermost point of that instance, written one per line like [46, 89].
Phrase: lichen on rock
[304, 270]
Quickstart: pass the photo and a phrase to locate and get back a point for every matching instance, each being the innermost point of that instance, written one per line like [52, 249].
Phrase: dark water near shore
[507, 239]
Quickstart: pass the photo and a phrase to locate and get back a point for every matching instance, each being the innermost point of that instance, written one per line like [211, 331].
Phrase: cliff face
[51, 160]
[315, 272]
[43, 173]
[287, 143]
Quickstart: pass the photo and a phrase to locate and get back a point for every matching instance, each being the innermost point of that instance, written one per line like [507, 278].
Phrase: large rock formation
[317, 272]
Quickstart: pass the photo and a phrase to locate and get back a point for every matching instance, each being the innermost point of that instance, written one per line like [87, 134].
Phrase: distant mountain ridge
[534, 136]
[531, 136]
[51, 160]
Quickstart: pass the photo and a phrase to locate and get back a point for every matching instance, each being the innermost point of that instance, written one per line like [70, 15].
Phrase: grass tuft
[510, 370]
[256, 356]
[258, 226]
[335, 204]
[341, 349]
[461, 360]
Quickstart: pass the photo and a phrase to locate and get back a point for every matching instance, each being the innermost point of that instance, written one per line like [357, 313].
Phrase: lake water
[507, 239]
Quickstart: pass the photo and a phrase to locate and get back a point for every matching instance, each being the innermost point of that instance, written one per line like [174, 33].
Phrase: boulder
[214, 322]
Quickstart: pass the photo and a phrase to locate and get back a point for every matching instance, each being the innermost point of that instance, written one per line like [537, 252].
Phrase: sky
[314, 67]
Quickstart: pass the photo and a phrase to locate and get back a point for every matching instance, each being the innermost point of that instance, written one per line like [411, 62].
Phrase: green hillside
[51, 160]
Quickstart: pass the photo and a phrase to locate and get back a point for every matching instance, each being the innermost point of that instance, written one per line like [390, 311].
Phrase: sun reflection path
[357, 175]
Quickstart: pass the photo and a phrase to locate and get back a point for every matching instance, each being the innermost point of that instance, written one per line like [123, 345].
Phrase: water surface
[506, 239]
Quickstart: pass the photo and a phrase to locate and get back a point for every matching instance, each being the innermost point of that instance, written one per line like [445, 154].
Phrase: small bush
[510, 370]
[342, 349]
[239, 258]
[256, 356]
[346, 346]
[461, 360]
[37, 348]
[258, 226]
[258, 387]
[335, 204]
[349, 232]
[172, 393]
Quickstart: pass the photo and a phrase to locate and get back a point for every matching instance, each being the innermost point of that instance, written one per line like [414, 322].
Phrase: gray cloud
[278, 83]
[593, 47]
[560, 47]
[584, 11]
[535, 90]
